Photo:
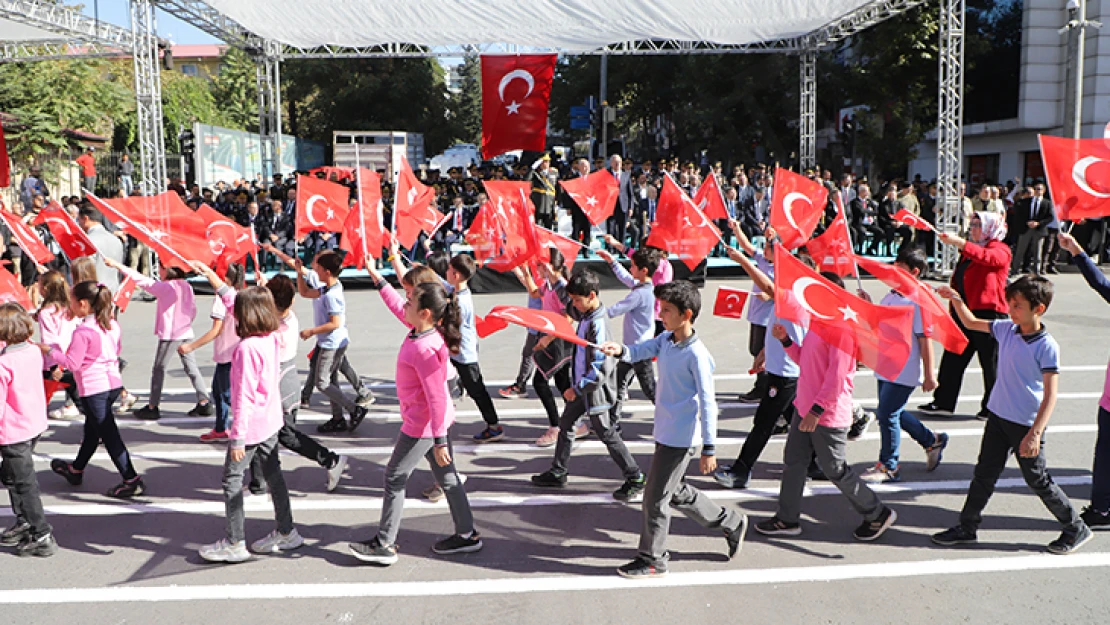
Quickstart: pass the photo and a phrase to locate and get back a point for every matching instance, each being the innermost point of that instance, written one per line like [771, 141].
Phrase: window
[982, 169]
[1034, 168]
[189, 69]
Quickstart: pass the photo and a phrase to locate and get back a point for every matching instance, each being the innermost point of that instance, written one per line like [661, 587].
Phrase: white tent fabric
[569, 25]
[16, 31]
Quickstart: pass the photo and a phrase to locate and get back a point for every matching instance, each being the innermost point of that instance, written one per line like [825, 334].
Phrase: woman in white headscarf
[980, 279]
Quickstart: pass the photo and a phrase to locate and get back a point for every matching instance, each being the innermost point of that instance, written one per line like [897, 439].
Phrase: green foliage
[236, 90]
[465, 107]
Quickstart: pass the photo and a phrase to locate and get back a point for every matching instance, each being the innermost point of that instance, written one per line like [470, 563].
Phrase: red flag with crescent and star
[796, 207]
[516, 91]
[514, 213]
[680, 228]
[322, 206]
[229, 241]
[596, 194]
[878, 336]
[70, 237]
[364, 235]
[12, 291]
[123, 296]
[1078, 173]
[549, 240]
[414, 209]
[25, 237]
[730, 303]
[710, 200]
[832, 250]
[545, 321]
[912, 220]
[164, 223]
[484, 235]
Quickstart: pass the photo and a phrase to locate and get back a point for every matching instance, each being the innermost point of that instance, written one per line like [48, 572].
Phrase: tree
[465, 107]
[235, 90]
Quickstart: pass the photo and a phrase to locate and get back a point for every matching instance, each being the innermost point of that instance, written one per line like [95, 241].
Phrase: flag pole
[848, 232]
[578, 243]
[361, 211]
[687, 197]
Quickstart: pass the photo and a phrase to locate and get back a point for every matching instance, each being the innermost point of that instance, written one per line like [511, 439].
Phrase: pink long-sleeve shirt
[255, 396]
[55, 328]
[22, 402]
[826, 379]
[93, 357]
[396, 305]
[177, 307]
[426, 407]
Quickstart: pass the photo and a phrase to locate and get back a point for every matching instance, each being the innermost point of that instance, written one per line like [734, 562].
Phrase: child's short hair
[557, 261]
[1036, 290]
[645, 258]
[681, 294]
[439, 260]
[832, 277]
[330, 261]
[16, 326]
[464, 266]
[174, 273]
[282, 288]
[419, 274]
[913, 257]
[255, 312]
[583, 283]
[235, 276]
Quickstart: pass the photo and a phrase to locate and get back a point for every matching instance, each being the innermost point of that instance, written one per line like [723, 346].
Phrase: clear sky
[118, 12]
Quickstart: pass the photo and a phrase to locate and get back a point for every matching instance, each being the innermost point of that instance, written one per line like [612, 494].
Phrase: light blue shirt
[685, 400]
[330, 304]
[468, 346]
[775, 359]
[1022, 362]
[911, 374]
[638, 307]
[759, 311]
[586, 373]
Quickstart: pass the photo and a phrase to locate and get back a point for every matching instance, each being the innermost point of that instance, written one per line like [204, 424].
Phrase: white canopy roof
[569, 25]
[17, 31]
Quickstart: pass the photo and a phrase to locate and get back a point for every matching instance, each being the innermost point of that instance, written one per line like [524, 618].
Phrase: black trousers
[580, 227]
[17, 473]
[617, 224]
[547, 398]
[757, 337]
[644, 371]
[952, 366]
[470, 376]
[67, 378]
[777, 401]
[100, 425]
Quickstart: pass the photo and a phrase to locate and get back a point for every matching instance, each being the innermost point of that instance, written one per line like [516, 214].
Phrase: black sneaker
[1094, 519]
[642, 569]
[775, 526]
[932, 408]
[863, 420]
[374, 551]
[751, 397]
[458, 544]
[631, 491]
[42, 547]
[958, 535]
[64, 469]
[146, 413]
[15, 534]
[201, 410]
[816, 474]
[127, 489]
[983, 415]
[331, 426]
[870, 530]
[1069, 542]
[728, 478]
[357, 416]
[550, 479]
[735, 538]
[365, 398]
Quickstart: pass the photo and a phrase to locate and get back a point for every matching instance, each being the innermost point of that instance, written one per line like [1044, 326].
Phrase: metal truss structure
[269, 108]
[148, 98]
[69, 23]
[807, 121]
[950, 136]
[43, 50]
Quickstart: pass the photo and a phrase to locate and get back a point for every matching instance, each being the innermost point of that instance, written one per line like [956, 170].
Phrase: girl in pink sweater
[56, 326]
[173, 325]
[93, 357]
[256, 420]
[22, 421]
[427, 414]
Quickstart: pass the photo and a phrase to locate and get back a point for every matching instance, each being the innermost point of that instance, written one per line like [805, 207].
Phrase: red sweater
[985, 277]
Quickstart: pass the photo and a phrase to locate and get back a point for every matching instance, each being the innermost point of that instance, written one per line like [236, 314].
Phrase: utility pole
[1076, 30]
[603, 105]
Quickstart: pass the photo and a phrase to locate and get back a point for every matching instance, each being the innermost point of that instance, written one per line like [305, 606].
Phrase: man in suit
[847, 193]
[754, 213]
[864, 223]
[580, 224]
[617, 224]
[640, 221]
[1031, 218]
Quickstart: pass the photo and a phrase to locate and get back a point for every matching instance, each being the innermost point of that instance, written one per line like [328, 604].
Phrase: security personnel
[543, 192]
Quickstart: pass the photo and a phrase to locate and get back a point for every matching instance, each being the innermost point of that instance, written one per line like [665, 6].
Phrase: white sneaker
[70, 411]
[55, 414]
[275, 542]
[128, 402]
[336, 473]
[549, 438]
[225, 551]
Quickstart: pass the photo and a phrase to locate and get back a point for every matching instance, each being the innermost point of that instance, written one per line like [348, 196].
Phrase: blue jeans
[1100, 478]
[893, 419]
[221, 395]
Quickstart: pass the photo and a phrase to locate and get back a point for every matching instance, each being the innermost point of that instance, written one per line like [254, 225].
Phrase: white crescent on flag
[310, 212]
[799, 291]
[1079, 174]
[788, 208]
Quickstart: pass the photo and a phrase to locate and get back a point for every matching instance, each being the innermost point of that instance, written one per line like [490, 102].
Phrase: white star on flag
[849, 314]
[513, 108]
[330, 215]
[591, 200]
[155, 234]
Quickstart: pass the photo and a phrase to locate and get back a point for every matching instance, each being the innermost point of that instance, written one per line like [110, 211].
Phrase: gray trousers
[527, 365]
[667, 488]
[406, 454]
[271, 471]
[162, 355]
[328, 362]
[830, 446]
[603, 426]
[1027, 251]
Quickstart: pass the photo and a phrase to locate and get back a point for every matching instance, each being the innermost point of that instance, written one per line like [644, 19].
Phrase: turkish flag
[70, 237]
[321, 205]
[545, 321]
[912, 220]
[796, 207]
[877, 336]
[27, 239]
[939, 325]
[414, 209]
[680, 228]
[1078, 174]
[515, 214]
[363, 233]
[51, 386]
[485, 235]
[710, 200]
[832, 250]
[123, 295]
[596, 194]
[5, 164]
[516, 91]
[730, 303]
[12, 291]
[487, 325]
[162, 222]
[228, 241]
[549, 240]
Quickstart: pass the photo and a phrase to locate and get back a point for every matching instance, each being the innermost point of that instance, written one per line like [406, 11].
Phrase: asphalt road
[550, 558]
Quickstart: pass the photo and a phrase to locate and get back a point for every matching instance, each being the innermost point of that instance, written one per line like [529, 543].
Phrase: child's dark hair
[913, 257]
[583, 283]
[558, 262]
[282, 288]
[99, 298]
[418, 274]
[832, 277]
[464, 266]
[255, 312]
[82, 269]
[645, 258]
[681, 294]
[1036, 290]
[439, 261]
[54, 289]
[235, 276]
[16, 326]
[174, 273]
[431, 296]
[807, 260]
[330, 261]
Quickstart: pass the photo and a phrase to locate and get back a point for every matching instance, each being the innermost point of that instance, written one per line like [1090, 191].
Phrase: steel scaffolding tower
[807, 122]
[268, 66]
[950, 115]
[148, 98]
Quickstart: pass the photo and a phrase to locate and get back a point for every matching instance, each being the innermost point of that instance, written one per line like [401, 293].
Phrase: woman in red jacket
[980, 278]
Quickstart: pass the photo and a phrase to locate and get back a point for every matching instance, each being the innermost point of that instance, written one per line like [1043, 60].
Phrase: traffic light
[186, 142]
